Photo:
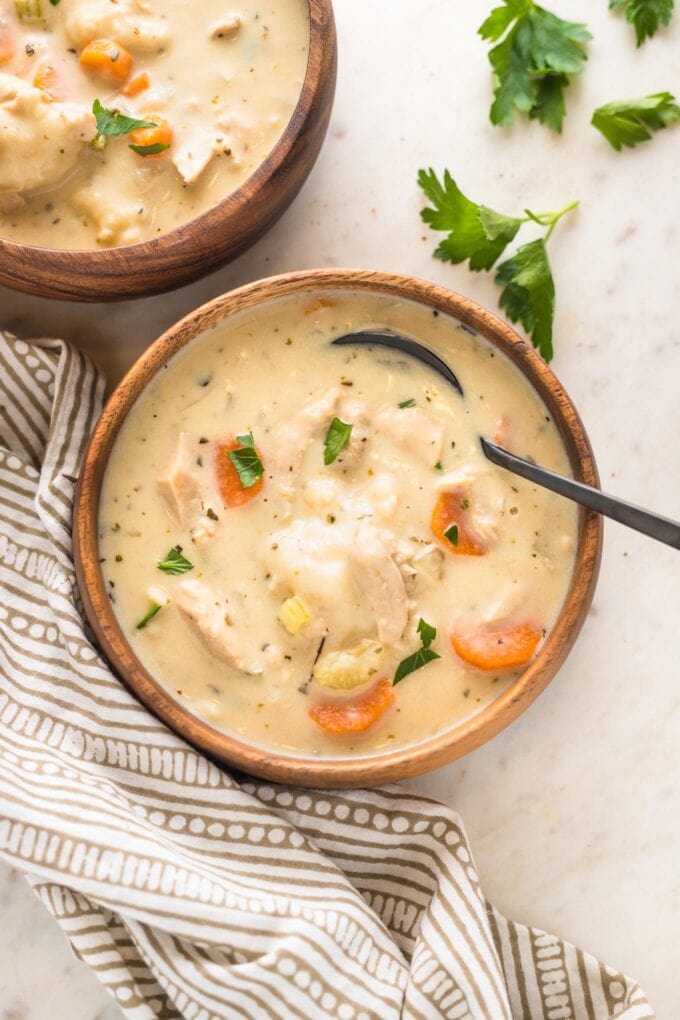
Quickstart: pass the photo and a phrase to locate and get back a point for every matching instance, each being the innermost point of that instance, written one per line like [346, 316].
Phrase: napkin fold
[194, 895]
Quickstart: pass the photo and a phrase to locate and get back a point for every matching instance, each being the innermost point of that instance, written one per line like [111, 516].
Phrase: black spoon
[661, 528]
[386, 338]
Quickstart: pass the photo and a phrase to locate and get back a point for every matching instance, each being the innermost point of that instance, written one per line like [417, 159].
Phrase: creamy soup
[190, 98]
[304, 543]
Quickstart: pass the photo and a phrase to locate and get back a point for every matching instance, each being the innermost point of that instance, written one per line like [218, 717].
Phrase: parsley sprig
[535, 56]
[424, 654]
[246, 461]
[479, 234]
[336, 439]
[174, 562]
[646, 16]
[112, 123]
[627, 122]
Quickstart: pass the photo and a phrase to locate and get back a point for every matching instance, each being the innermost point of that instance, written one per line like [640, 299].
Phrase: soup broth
[304, 542]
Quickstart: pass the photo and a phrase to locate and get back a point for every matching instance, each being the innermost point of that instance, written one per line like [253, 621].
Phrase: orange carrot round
[107, 58]
[353, 715]
[450, 514]
[138, 83]
[47, 79]
[229, 484]
[145, 138]
[496, 648]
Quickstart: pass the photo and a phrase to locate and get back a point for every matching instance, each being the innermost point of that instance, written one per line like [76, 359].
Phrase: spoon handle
[660, 528]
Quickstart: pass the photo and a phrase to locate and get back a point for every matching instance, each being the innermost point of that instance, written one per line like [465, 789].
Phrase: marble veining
[573, 812]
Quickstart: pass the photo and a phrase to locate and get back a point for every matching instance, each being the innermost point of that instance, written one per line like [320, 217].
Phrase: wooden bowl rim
[228, 209]
[372, 769]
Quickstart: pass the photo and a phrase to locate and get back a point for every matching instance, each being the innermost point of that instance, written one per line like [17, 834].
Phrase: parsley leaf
[479, 234]
[336, 439]
[422, 656]
[427, 633]
[629, 121]
[529, 293]
[646, 16]
[150, 150]
[246, 461]
[451, 534]
[174, 563]
[148, 616]
[533, 60]
[110, 123]
[476, 232]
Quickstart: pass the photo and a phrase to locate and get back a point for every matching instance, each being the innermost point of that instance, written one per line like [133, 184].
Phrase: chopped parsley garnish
[175, 562]
[246, 461]
[110, 123]
[475, 232]
[149, 615]
[630, 121]
[646, 16]
[407, 403]
[336, 439]
[424, 654]
[150, 150]
[451, 534]
[534, 56]
[481, 235]
[465, 504]
[439, 466]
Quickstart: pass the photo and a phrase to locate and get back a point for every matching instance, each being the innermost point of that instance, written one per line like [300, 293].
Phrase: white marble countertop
[574, 812]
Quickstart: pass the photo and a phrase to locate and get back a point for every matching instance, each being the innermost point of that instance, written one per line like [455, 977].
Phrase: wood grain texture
[378, 768]
[216, 236]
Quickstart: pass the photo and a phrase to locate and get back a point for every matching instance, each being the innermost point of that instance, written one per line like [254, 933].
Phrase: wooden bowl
[211, 239]
[379, 767]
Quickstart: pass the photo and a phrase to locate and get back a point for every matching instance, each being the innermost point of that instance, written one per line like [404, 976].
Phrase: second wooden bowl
[376, 768]
[216, 236]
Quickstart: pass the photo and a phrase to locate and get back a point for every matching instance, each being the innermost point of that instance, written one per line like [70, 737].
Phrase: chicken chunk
[129, 22]
[414, 431]
[196, 151]
[293, 437]
[226, 27]
[40, 140]
[181, 488]
[378, 577]
[209, 616]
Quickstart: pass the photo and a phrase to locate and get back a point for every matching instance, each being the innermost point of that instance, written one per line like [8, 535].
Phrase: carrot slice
[356, 714]
[47, 79]
[7, 41]
[497, 647]
[229, 484]
[107, 58]
[138, 83]
[450, 514]
[160, 135]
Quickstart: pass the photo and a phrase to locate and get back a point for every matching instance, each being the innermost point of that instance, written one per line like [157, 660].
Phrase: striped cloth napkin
[194, 894]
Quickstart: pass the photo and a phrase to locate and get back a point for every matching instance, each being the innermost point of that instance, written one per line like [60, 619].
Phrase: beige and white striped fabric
[191, 893]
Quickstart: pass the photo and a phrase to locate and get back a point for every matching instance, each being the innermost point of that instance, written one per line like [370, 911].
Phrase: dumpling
[40, 140]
